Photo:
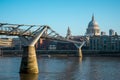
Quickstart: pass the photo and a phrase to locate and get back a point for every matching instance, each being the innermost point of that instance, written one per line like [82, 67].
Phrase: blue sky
[59, 14]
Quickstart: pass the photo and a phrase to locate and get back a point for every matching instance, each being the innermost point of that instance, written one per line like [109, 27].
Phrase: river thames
[64, 68]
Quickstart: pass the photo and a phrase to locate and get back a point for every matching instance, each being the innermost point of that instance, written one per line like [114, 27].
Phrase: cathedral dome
[93, 28]
[93, 23]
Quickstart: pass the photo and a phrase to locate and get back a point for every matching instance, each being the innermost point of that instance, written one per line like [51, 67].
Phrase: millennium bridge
[29, 35]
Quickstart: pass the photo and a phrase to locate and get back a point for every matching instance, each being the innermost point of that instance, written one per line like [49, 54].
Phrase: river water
[64, 68]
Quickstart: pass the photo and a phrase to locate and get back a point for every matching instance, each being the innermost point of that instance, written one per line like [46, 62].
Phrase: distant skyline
[59, 14]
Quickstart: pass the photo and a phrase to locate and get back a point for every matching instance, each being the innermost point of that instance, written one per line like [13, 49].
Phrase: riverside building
[102, 42]
[105, 43]
[6, 42]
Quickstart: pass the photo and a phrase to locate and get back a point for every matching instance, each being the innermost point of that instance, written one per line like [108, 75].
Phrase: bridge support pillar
[29, 60]
[79, 52]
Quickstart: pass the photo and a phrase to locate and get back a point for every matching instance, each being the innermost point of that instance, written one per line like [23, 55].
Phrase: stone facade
[104, 43]
[6, 42]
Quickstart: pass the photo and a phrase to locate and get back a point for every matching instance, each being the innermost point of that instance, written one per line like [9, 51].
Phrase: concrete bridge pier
[28, 76]
[29, 61]
[79, 50]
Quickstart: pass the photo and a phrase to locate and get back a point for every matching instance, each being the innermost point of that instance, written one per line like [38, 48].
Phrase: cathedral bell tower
[68, 35]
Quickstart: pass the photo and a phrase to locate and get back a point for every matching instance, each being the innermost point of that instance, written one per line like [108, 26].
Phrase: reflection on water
[28, 76]
[63, 68]
[80, 59]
